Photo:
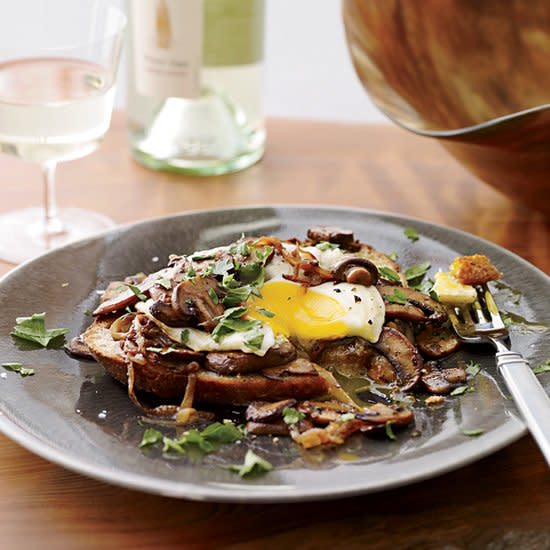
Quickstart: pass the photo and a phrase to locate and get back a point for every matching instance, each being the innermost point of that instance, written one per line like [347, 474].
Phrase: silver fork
[480, 324]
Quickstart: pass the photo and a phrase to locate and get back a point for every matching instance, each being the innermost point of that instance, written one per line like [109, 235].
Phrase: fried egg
[327, 311]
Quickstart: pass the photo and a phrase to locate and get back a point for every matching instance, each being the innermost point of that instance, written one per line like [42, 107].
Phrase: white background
[308, 73]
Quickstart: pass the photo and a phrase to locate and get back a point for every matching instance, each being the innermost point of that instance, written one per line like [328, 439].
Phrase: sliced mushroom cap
[335, 235]
[440, 381]
[277, 427]
[128, 297]
[78, 348]
[403, 356]
[193, 297]
[356, 270]
[434, 311]
[437, 342]
[299, 366]
[265, 411]
[238, 362]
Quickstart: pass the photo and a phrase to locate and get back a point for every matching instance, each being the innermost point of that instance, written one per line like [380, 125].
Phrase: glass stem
[52, 223]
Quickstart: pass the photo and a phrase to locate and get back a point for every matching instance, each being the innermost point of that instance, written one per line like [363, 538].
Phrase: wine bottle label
[168, 45]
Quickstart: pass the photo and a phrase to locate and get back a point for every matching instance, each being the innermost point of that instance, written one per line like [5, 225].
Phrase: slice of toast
[211, 387]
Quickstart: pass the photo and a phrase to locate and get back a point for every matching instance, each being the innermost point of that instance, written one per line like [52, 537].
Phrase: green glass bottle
[195, 84]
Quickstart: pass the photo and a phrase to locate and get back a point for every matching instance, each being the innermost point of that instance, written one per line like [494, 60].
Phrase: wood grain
[474, 74]
[504, 497]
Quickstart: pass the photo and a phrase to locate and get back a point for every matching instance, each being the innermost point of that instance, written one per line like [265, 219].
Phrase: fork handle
[529, 395]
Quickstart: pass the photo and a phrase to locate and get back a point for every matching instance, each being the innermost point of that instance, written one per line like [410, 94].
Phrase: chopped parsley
[150, 437]
[389, 431]
[472, 368]
[265, 312]
[459, 391]
[165, 283]
[292, 415]
[205, 441]
[137, 291]
[411, 233]
[325, 245]
[213, 295]
[205, 255]
[18, 368]
[398, 297]
[473, 432]
[184, 338]
[415, 275]
[253, 465]
[543, 367]
[33, 329]
[389, 274]
[223, 267]
[232, 321]
[254, 343]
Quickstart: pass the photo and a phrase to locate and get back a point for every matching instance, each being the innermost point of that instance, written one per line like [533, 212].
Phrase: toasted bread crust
[210, 387]
[474, 270]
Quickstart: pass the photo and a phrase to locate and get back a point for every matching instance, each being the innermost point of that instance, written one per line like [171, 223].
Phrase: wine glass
[58, 65]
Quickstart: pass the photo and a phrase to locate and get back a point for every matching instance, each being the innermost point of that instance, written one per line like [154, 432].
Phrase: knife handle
[530, 397]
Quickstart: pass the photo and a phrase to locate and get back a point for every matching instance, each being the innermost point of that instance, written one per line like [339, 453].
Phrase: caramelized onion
[121, 326]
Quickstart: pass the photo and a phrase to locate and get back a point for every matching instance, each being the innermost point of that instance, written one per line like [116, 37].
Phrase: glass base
[199, 168]
[22, 234]
[204, 137]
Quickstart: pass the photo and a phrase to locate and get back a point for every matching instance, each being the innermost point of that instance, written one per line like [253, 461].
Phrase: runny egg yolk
[327, 311]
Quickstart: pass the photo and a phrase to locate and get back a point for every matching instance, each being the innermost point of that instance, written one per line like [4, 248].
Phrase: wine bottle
[195, 84]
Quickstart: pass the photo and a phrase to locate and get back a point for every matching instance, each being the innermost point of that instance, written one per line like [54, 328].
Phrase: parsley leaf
[137, 291]
[398, 297]
[265, 312]
[184, 336]
[236, 296]
[213, 296]
[411, 233]
[34, 329]
[204, 255]
[255, 342]
[150, 437]
[223, 266]
[459, 391]
[18, 368]
[231, 321]
[472, 368]
[222, 433]
[253, 465]
[389, 274]
[325, 245]
[417, 271]
[292, 415]
[207, 441]
[252, 273]
[389, 431]
[473, 433]
[543, 367]
[165, 283]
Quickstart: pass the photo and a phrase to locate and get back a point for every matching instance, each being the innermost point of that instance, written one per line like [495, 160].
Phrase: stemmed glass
[58, 65]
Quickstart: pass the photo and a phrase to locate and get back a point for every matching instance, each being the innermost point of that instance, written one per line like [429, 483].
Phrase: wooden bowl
[474, 74]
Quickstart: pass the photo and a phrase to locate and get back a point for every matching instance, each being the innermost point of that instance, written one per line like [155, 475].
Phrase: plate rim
[242, 492]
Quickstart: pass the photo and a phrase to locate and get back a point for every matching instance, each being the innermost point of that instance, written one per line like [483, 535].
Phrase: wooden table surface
[502, 501]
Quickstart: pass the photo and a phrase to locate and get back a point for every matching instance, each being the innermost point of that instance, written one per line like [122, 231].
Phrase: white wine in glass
[57, 88]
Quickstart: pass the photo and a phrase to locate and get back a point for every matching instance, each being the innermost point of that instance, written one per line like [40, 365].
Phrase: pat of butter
[451, 291]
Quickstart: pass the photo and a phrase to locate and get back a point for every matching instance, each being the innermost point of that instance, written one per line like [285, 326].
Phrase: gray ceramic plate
[74, 415]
